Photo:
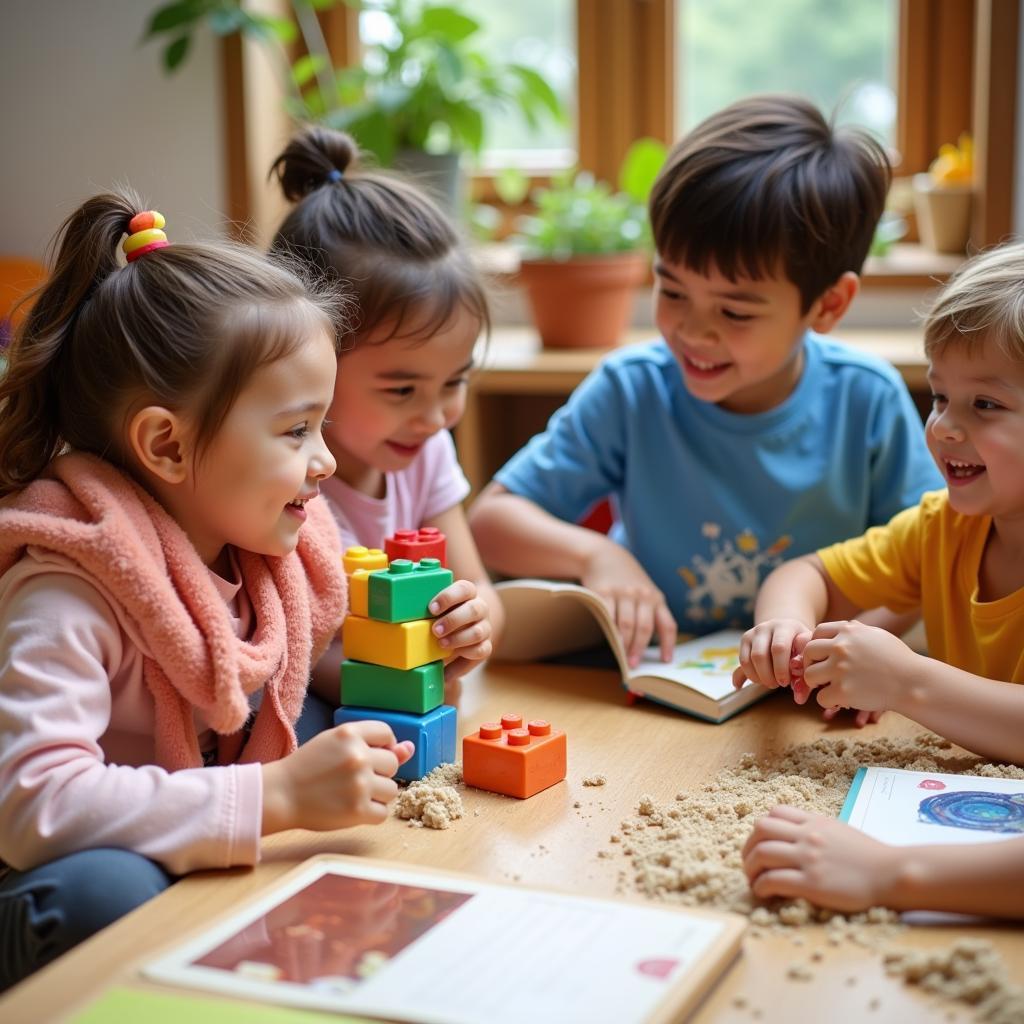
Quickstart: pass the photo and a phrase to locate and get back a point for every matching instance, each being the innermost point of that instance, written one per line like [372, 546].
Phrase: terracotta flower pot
[583, 302]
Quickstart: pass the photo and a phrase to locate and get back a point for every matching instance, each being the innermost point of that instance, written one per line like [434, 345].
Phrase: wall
[85, 105]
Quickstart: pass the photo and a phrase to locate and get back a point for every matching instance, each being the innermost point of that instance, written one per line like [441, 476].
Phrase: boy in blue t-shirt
[742, 437]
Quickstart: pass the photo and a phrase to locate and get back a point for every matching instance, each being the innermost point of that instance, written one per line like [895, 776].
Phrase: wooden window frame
[957, 70]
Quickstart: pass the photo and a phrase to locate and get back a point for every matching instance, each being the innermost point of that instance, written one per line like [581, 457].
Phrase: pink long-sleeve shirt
[76, 735]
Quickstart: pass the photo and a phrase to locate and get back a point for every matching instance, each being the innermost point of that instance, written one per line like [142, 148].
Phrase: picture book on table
[545, 619]
[907, 808]
[356, 936]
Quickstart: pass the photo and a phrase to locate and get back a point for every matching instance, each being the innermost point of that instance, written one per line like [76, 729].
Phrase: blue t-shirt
[710, 501]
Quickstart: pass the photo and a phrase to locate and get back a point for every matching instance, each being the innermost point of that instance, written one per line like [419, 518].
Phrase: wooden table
[519, 384]
[548, 841]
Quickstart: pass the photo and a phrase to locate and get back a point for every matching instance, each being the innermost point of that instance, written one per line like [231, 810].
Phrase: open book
[546, 618]
[369, 938]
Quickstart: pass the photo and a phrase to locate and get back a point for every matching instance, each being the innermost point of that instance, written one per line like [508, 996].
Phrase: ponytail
[31, 389]
[378, 235]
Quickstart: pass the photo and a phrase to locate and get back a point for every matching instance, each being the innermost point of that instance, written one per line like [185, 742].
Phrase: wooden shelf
[906, 265]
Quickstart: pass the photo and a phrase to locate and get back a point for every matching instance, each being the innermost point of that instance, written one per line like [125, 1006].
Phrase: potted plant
[418, 99]
[942, 197]
[585, 250]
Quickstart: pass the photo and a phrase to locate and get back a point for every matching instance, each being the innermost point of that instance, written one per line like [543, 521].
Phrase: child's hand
[793, 853]
[463, 627]
[340, 778]
[770, 653]
[855, 666]
[861, 718]
[636, 605]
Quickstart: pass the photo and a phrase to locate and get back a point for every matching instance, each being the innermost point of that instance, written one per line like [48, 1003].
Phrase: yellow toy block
[395, 644]
[359, 591]
[363, 558]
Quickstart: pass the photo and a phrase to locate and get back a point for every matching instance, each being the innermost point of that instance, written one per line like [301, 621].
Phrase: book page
[705, 664]
[908, 808]
[397, 943]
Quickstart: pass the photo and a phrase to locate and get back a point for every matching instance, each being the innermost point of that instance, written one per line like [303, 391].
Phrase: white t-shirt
[431, 484]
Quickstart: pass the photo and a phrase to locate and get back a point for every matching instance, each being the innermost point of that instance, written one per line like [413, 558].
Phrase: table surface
[548, 841]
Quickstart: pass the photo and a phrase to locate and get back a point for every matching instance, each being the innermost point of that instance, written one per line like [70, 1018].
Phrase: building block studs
[504, 757]
[416, 690]
[395, 644]
[404, 590]
[426, 542]
[359, 557]
[433, 734]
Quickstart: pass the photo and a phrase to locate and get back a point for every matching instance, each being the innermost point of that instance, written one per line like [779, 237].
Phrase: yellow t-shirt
[929, 556]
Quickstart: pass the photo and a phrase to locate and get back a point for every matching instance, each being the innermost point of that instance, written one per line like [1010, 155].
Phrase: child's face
[976, 428]
[738, 342]
[392, 396]
[268, 453]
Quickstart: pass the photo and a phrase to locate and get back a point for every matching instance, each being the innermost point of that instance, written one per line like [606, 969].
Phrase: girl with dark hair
[419, 309]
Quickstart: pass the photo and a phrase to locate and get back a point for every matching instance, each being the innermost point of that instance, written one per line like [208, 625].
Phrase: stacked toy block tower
[394, 667]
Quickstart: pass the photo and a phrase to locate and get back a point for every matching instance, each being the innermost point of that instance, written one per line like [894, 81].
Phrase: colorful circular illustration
[989, 812]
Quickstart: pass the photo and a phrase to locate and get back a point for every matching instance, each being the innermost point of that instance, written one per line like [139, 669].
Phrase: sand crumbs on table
[688, 851]
[433, 801]
[595, 780]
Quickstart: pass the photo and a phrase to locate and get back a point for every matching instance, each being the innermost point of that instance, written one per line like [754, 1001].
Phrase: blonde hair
[982, 301]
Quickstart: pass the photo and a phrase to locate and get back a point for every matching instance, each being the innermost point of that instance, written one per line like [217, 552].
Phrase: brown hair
[767, 184]
[983, 300]
[376, 234]
[184, 326]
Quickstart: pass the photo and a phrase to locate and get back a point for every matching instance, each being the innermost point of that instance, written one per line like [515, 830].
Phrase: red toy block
[426, 542]
[503, 757]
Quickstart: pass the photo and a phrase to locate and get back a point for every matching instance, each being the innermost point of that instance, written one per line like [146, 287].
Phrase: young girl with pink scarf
[168, 576]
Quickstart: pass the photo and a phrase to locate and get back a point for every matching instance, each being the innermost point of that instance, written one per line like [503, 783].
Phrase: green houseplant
[585, 250]
[418, 99]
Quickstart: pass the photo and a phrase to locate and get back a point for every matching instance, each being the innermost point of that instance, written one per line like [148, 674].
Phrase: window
[838, 53]
[542, 35]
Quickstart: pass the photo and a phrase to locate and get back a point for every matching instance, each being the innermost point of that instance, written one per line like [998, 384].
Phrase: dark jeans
[48, 910]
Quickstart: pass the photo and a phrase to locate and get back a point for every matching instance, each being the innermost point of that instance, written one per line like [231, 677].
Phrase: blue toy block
[433, 734]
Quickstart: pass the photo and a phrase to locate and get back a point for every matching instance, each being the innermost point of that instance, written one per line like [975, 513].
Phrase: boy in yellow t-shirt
[959, 554]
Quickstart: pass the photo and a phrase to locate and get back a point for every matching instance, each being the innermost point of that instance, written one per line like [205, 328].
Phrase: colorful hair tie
[334, 175]
[144, 234]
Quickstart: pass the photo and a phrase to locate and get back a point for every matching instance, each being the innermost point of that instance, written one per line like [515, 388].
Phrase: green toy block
[416, 690]
[403, 591]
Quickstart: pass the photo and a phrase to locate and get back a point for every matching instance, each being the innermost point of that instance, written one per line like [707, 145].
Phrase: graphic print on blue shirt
[722, 588]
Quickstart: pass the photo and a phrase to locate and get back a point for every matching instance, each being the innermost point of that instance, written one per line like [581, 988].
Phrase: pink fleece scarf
[95, 515]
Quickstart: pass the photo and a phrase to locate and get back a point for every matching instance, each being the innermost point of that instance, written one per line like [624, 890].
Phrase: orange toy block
[503, 757]
[363, 558]
[395, 644]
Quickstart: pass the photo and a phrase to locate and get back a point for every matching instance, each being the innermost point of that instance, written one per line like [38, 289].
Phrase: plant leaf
[175, 53]
[537, 88]
[306, 67]
[451, 24]
[512, 185]
[640, 166]
[172, 16]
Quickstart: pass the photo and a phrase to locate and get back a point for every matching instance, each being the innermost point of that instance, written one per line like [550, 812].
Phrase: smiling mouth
[703, 365]
[406, 447]
[958, 470]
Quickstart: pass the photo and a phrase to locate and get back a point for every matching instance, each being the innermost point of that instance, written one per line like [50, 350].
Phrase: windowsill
[907, 265]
